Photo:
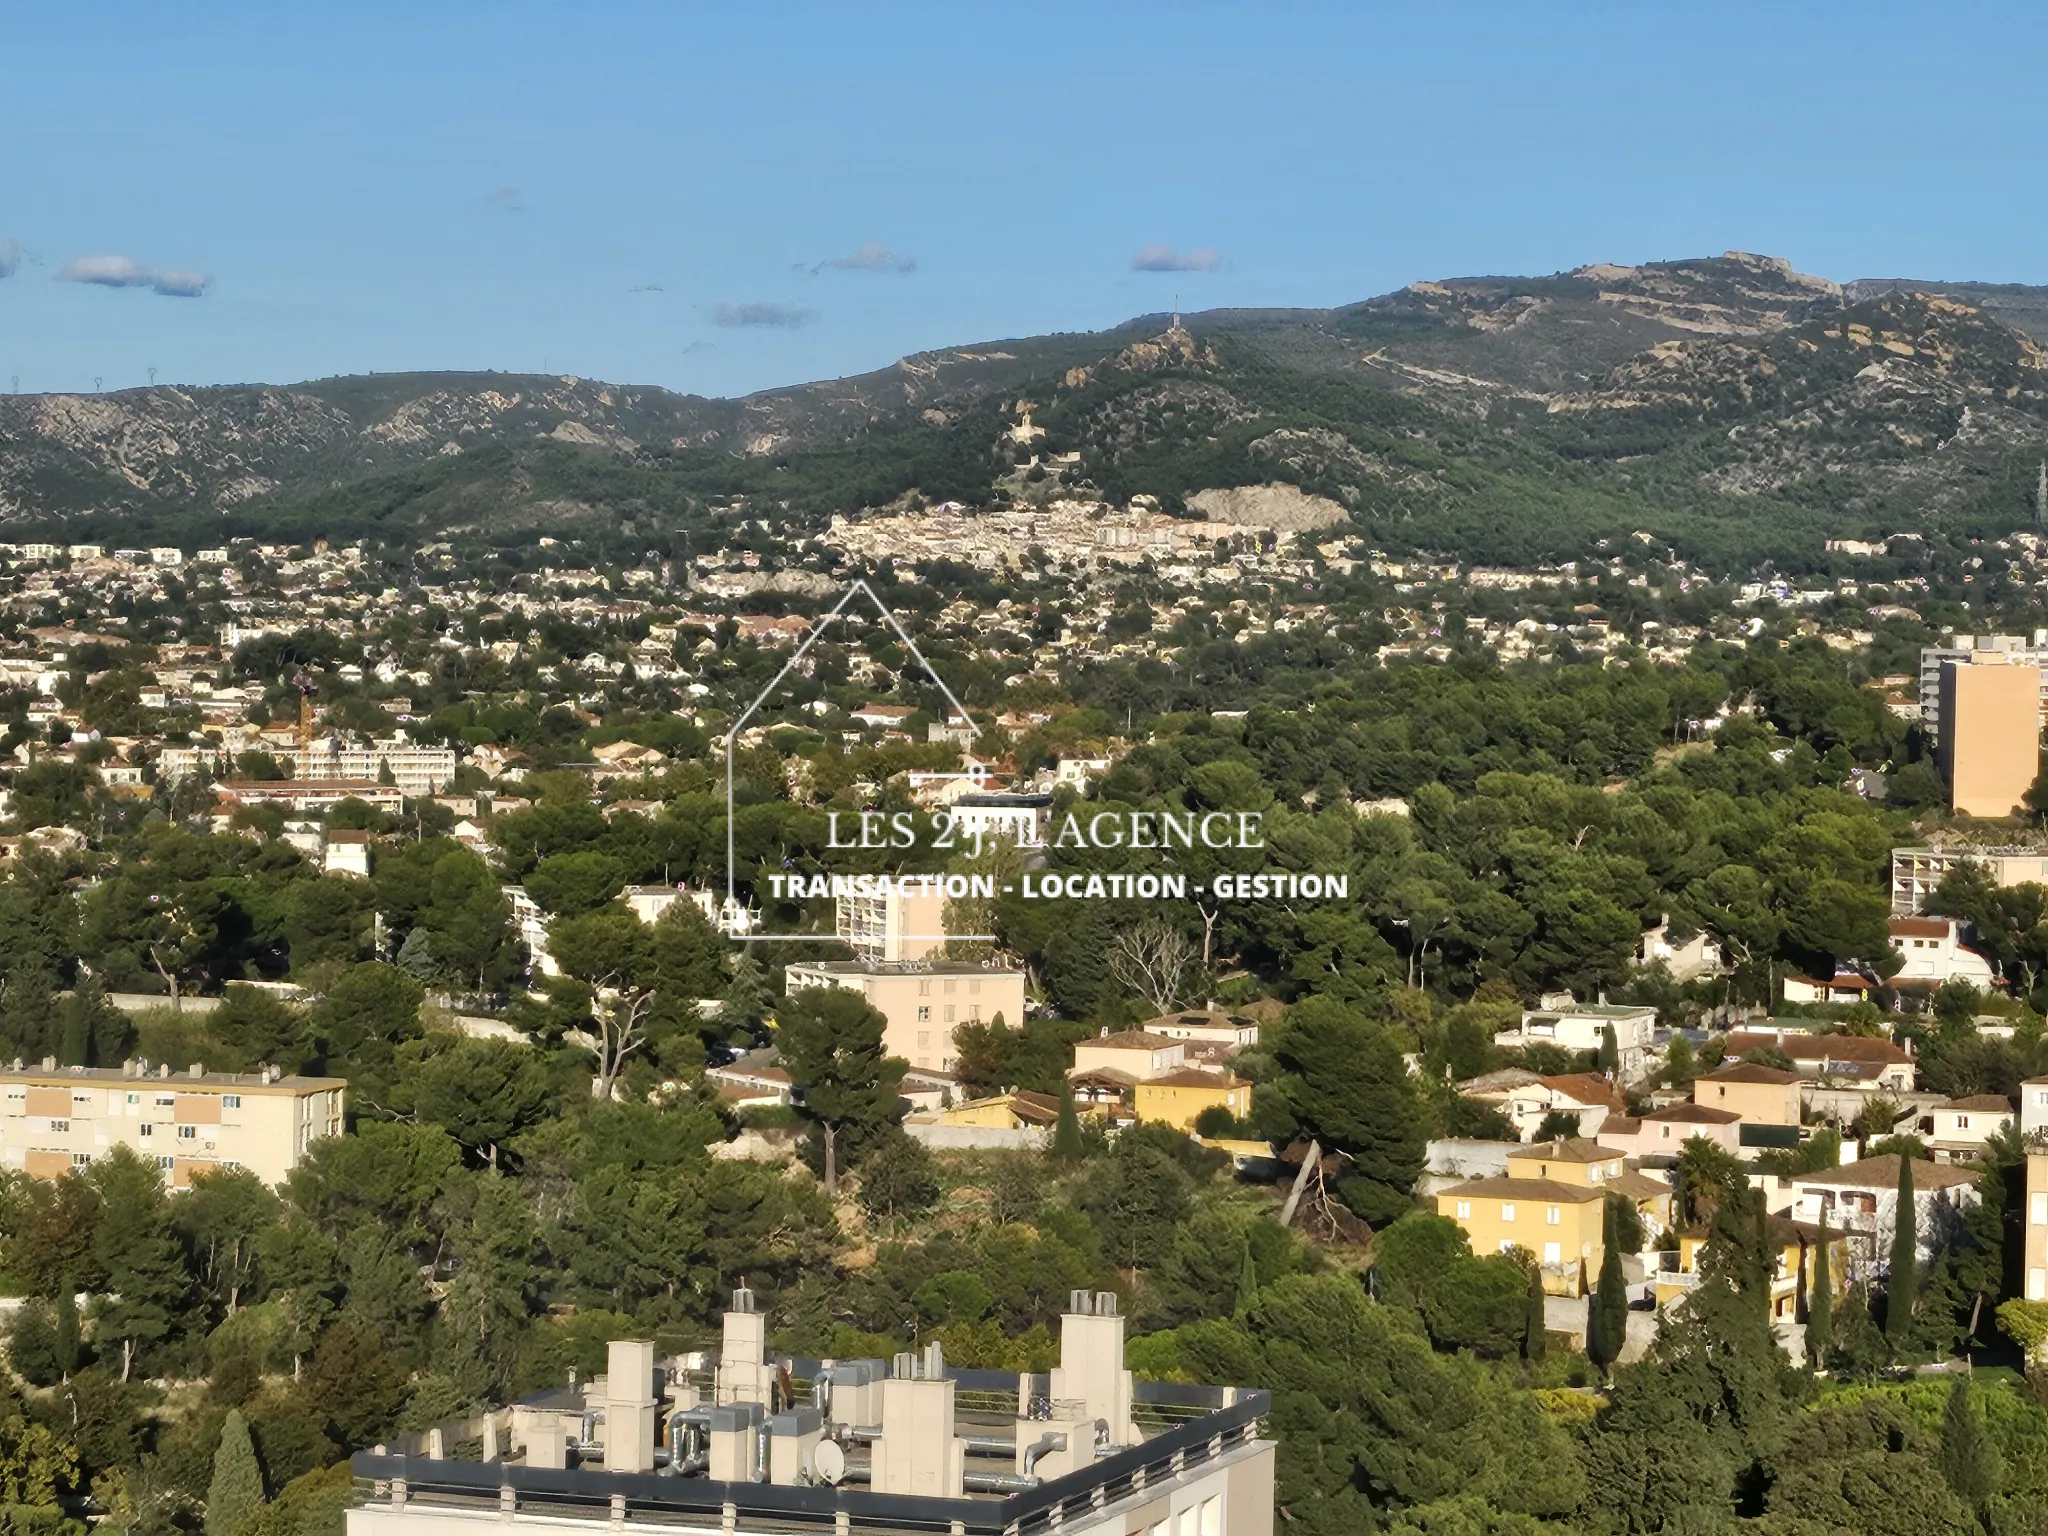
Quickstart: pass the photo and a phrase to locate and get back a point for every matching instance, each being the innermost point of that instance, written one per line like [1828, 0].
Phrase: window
[924, 989]
[231, 1101]
[1465, 1209]
[924, 1013]
[1553, 1217]
[188, 1133]
[951, 1010]
[973, 989]
[1507, 1211]
[1553, 1253]
[1962, 1122]
[166, 1100]
[147, 1128]
[1184, 1521]
[60, 1125]
[1667, 1132]
[950, 986]
[166, 1164]
[924, 1040]
[2037, 1210]
[80, 1159]
[1212, 1515]
[1720, 1091]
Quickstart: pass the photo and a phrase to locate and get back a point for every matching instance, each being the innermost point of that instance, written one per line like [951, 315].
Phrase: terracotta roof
[1750, 1072]
[1192, 1077]
[1817, 1047]
[1130, 1040]
[1620, 1125]
[1921, 927]
[1637, 1186]
[1694, 1114]
[1577, 1149]
[1883, 1173]
[1109, 1075]
[1584, 1088]
[1534, 1190]
[1991, 1101]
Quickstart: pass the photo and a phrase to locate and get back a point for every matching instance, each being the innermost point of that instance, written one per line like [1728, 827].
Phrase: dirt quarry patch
[1285, 507]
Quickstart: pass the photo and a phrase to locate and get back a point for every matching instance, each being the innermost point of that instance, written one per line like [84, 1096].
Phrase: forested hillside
[1740, 409]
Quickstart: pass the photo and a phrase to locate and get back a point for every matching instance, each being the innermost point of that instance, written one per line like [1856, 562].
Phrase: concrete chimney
[744, 1374]
[792, 1436]
[735, 1442]
[1091, 1370]
[629, 1405]
[917, 1451]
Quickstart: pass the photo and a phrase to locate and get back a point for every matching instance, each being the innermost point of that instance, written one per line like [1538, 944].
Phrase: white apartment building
[745, 1442]
[415, 770]
[56, 1120]
[1917, 872]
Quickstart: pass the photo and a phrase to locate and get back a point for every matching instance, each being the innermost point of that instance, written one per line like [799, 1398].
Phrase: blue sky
[397, 186]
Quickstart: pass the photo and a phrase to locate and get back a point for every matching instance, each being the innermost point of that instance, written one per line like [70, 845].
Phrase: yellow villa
[1551, 1202]
[1178, 1098]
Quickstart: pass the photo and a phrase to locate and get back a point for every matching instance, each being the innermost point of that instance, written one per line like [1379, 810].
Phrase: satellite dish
[828, 1463]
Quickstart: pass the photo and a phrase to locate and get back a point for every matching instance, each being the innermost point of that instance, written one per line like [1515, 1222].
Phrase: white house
[1861, 1198]
[1933, 952]
[1960, 1127]
[1579, 1027]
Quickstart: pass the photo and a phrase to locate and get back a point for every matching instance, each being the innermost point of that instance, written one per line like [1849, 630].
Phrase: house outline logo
[857, 588]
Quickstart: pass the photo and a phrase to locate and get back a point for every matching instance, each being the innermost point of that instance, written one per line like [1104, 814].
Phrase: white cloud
[126, 272]
[762, 313]
[1164, 258]
[872, 257]
[10, 257]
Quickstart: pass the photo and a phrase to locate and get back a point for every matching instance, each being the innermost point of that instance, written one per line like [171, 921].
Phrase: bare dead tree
[619, 1018]
[1153, 959]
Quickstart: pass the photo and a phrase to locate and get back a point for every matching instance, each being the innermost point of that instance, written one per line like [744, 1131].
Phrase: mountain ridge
[1686, 396]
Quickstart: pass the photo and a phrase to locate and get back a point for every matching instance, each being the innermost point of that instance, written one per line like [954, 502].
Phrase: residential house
[1933, 952]
[2033, 1106]
[1836, 1061]
[1580, 1027]
[1795, 1246]
[1842, 987]
[1663, 1133]
[1551, 1203]
[1526, 1099]
[1760, 1095]
[1861, 1198]
[346, 853]
[1179, 1098]
[1017, 1110]
[1206, 1026]
[1958, 1129]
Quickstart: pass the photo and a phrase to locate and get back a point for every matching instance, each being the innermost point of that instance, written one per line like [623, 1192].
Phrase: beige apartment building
[924, 1001]
[2036, 1229]
[1990, 748]
[896, 925]
[56, 1120]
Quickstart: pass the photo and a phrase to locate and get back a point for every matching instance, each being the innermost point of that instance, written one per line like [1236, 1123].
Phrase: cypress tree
[1609, 1059]
[1903, 1281]
[235, 1493]
[1969, 1460]
[1247, 1284]
[1608, 1325]
[1535, 1337]
[1066, 1131]
[1820, 1302]
[67, 1328]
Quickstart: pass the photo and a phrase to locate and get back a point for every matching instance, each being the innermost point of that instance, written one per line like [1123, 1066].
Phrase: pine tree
[831, 1042]
[1535, 1335]
[1902, 1283]
[1969, 1460]
[1608, 1326]
[1820, 1304]
[235, 1493]
[1066, 1131]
